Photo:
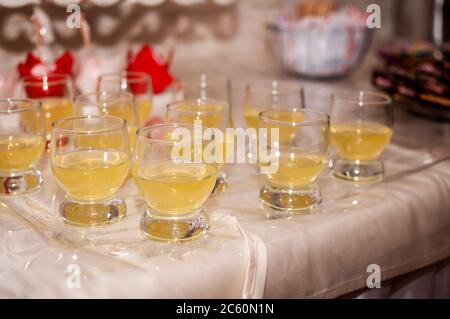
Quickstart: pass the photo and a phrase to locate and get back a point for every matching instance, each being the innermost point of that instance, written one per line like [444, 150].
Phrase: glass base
[221, 185]
[357, 171]
[92, 214]
[174, 229]
[20, 182]
[288, 201]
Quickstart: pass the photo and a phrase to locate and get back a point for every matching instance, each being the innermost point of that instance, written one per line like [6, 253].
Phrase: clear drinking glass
[263, 95]
[213, 114]
[90, 160]
[112, 103]
[205, 86]
[55, 93]
[22, 142]
[174, 189]
[295, 158]
[137, 83]
[361, 127]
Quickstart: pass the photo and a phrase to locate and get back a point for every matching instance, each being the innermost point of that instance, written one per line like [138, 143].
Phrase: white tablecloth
[401, 224]
[426, 283]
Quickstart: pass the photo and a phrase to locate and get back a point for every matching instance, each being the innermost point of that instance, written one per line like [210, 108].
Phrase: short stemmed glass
[112, 103]
[263, 95]
[213, 114]
[361, 127]
[172, 181]
[137, 83]
[22, 142]
[90, 160]
[297, 151]
[55, 93]
[205, 86]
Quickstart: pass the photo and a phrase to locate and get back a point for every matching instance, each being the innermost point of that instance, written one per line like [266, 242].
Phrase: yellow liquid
[207, 152]
[55, 109]
[360, 142]
[251, 117]
[91, 175]
[286, 133]
[114, 140]
[125, 112]
[18, 153]
[171, 188]
[297, 169]
[211, 115]
[229, 142]
[144, 108]
[132, 137]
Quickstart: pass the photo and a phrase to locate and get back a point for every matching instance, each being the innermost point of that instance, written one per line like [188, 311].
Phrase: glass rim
[272, 26]
[199, 101]
[141, 76]
[266, 86]
[141, 137]
[358, 97]
[324, 118]
[37, 80]
[32, 105]
[79, 98]
[195, 77]
[121, 125]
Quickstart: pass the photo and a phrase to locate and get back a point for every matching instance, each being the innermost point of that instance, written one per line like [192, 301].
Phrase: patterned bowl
[329, 47]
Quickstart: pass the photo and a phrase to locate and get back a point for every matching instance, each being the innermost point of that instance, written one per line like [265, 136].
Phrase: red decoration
[138, 83]
[34, 66]
[46, 86]
[47, 80]
[153, 121]
[148, 62]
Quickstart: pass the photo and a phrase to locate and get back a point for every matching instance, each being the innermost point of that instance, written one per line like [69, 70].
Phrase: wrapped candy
[316, 8]
[416, 75]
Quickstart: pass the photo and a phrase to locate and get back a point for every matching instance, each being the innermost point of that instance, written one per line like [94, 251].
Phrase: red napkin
[147, 61]
[34, 68]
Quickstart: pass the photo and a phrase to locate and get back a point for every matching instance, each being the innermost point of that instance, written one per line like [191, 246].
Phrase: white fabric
[401, 224]
[33, 265]
[117, 261]
[430, 282]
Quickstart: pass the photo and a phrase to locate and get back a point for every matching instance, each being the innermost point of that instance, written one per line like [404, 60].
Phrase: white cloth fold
[401, 224]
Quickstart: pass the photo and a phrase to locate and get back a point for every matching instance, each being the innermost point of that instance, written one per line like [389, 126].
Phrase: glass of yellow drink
[172, 181]
[22, 142]
[298, 142]
[90, 160]
[55, 93]
[361, 127]
[137, 83]
[205, 86]
[213, 114]
[112, 103]
[263, 95]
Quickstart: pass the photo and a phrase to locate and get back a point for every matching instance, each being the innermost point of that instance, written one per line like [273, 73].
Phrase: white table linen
[401, 224]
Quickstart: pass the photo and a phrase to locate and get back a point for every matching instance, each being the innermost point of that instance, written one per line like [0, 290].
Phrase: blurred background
[242, 39]
[323, 45]
[232, 31]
